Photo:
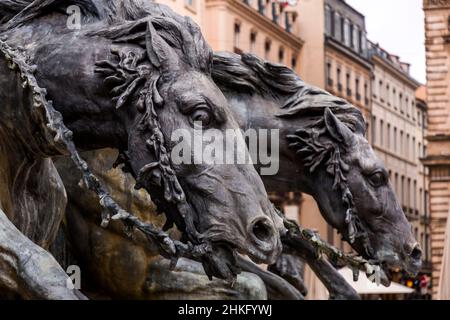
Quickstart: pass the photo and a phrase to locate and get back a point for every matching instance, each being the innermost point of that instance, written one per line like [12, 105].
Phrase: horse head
[324, 153]
[129, 78]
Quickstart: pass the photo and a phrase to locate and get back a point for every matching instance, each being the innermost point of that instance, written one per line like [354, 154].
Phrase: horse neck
[258, 112]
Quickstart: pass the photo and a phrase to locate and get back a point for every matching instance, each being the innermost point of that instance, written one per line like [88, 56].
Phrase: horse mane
[135, 21]
[250, 74]
[123, 23]
[112, 10]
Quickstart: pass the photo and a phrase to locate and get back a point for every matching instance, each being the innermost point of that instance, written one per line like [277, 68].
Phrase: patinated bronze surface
[133, 74]
[126, 81]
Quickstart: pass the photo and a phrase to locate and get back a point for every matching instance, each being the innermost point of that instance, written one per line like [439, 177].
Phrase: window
[360, 41]
[402, 146]
[366, 94]
[407, 146]
[400, 102]
[332, 26]
[347, 32]
[237, 35]
[262, 6]
[329, 77]
[342, 29]
[380, 90]
[190, 3]
[287, 21]
[381, 132]
[337, 26]
[294, 63]
[395, 139]
[349, 90]
[388, 136]
[281, 55]
[421, 201]
[253, 41]
[267, 46]
[388, 95]
[275, 14]
[394, 98]
[328, 13]
[352, 38]
[415, 197]
[338, 78]
[374, 129]
[402, 191]
[408, 194]
[414, 149]
[357, 92]
[364, 44]
[356, 38]
[407, 107]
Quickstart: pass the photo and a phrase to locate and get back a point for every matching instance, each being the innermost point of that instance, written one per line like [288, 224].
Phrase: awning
[365, 286]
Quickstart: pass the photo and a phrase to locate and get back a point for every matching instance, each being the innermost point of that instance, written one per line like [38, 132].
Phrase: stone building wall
[437, 31]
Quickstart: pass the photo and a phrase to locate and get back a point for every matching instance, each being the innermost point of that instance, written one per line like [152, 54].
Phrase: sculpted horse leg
[32, 200]
[28, 271]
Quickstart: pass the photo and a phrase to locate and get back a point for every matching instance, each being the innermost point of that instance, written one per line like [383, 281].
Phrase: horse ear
[160, 53]
[338, 130]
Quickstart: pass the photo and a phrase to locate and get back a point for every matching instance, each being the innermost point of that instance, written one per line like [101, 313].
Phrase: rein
[315, 153]
[160, 174]
[63, 143]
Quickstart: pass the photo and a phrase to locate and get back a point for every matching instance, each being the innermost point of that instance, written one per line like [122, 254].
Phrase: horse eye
[377, 179]
[202, 117]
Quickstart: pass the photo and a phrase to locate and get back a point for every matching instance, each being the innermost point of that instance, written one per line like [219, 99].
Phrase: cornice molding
[436, 4]
[399, 74]
[262, 22]
[332, 43]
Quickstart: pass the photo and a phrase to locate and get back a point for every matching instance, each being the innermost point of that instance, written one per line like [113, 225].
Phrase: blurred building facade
[325, 41]
[348, 68]
[398, 129]
[437, 159]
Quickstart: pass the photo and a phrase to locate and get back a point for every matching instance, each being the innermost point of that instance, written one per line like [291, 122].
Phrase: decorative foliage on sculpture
[323, 145]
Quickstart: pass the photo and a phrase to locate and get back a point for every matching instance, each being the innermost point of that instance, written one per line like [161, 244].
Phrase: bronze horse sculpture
[131, 81]
[125, 82]
[329, 133]
[323, 152]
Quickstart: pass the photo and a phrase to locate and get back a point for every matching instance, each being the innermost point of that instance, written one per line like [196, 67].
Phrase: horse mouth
[254, 254]
[390, 267]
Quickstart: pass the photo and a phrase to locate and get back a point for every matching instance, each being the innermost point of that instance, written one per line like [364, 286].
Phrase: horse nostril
[262, 231]
[416, 254]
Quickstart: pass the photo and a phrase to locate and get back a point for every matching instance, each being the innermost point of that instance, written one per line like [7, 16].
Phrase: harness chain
[168, 247]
